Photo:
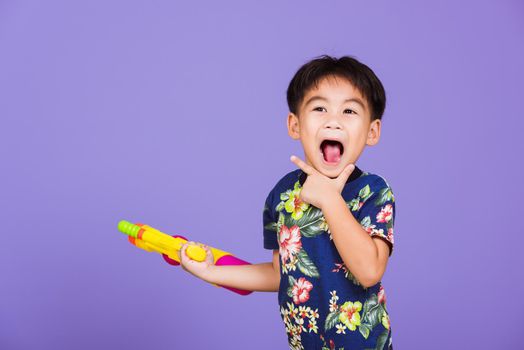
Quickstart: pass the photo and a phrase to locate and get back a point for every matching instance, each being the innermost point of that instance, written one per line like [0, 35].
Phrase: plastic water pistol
[152, 240]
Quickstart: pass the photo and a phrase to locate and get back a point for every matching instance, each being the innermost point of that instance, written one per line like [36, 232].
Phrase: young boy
[328, 223]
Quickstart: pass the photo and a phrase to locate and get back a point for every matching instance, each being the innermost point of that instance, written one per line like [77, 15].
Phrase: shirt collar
[354, 175]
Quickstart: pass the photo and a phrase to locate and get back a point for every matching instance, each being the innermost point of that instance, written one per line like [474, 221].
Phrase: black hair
[348, 67]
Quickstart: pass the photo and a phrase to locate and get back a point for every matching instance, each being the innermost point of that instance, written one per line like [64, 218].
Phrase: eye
[352, 111]
[317, 108]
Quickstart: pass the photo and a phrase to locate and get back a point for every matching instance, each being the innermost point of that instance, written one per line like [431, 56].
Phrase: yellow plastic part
[154, 240]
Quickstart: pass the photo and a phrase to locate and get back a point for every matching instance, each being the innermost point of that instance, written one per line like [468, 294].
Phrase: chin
[332, 171]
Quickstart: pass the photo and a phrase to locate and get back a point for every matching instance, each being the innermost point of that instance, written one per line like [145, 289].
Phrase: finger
[182, 257]
[209, 255]
[344, 175]
[308, 169]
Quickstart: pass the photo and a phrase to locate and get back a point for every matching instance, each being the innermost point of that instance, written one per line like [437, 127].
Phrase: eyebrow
[357, 100]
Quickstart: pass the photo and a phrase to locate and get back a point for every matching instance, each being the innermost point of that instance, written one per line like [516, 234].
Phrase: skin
[350, 123]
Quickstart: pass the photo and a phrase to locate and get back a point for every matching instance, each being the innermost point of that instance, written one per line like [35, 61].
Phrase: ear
[293, 126]
[374, 132]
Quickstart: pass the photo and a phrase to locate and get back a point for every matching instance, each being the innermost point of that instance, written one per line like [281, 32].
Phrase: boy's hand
[196, 268]
[319, 187]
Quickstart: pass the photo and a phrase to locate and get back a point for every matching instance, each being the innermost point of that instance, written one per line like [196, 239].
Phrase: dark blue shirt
[322, 304]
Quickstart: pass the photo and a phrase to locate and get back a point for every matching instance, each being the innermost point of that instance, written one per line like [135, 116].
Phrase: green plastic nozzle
[128, 228]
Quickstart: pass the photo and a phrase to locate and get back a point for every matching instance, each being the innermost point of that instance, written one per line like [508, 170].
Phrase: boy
[329, 224]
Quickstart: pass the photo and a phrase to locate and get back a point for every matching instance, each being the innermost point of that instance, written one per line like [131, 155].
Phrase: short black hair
[348, 67]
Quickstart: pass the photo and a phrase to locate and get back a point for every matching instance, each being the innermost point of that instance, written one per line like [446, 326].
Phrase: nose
[332, 123]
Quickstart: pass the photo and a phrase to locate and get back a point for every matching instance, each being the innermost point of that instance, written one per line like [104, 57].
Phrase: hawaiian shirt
[322, 304]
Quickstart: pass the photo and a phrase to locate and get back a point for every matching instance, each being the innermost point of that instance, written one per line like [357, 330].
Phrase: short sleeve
[269, 224]
[377, 212]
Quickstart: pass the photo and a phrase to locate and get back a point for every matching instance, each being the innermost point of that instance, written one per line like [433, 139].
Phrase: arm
[263, 277]
[364, 256]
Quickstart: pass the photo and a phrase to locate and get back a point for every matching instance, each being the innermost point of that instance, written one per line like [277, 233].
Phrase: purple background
[173, 114]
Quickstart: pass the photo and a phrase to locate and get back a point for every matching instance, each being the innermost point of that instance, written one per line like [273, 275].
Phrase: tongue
[332, 152]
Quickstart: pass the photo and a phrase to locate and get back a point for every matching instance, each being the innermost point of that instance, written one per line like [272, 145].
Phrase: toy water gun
[152, 240]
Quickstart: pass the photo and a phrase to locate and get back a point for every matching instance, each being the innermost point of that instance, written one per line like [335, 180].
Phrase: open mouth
[331, 150]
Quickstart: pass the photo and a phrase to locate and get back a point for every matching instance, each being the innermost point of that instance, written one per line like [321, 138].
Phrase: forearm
[355, 246]
[256, 277]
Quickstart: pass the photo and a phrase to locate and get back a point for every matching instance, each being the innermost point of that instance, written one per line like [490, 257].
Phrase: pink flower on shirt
[385, 214]
[382, 295]
[301, 290]
[290, 243]
[390, 235]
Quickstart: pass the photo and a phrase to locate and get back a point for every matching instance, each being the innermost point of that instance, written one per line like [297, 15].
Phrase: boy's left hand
[318, 188]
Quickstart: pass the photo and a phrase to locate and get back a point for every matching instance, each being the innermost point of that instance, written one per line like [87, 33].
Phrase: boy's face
[334, 111]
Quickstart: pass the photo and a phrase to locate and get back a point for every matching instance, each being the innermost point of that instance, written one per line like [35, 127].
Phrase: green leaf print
[331, 320]
[292, 282]
[353, 279]
[284, 196]
[310, 215]
[384, 195]
[365, 193]
[281, 219]
[364, 329]
[309, 223]
[371, 315]
[305, 264]
[311, 230]
[381, 341]
[366, 221]
[272, 226]
[353, 204]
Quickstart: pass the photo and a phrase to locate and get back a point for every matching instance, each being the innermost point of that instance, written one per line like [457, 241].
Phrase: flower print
[333, 307]
[294, 204]
[390, 235]
[333, 301]
[382, 295]
[301, 290]
[296, 343]
[290, 243]
[341, 329]
[303, 311]
[385, 214]
[370, 229]
[349, 315]
[314, 313]
[313, 325]
[298, 320]
[293, 311]
[385, 320]
[334, 295]
[324, 226]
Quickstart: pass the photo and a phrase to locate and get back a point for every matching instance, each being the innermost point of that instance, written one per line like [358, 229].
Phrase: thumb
[344, 175]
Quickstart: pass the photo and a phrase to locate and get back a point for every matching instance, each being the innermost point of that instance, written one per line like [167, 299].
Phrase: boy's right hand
[202, 269]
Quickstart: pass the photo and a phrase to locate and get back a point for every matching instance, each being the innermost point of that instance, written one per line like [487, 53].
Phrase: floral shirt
[322, 304]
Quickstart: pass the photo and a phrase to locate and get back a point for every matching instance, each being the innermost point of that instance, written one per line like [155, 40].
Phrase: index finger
[308, 169]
